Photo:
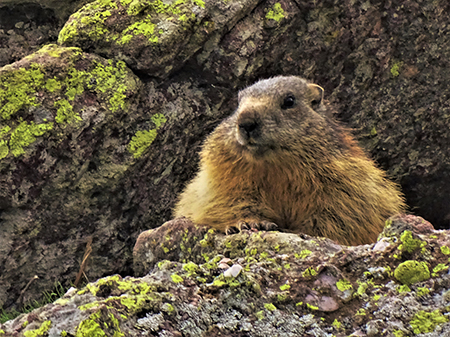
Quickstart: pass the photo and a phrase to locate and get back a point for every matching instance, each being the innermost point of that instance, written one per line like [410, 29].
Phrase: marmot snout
[282, 159]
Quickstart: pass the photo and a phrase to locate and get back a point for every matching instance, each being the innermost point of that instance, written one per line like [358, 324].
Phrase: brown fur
[294, 166]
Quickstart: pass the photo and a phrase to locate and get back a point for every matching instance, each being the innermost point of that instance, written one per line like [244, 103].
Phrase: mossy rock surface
[115, 173]
[154, 37]
[59, 148]
[88, 152]
[197, 282]
[51, 96]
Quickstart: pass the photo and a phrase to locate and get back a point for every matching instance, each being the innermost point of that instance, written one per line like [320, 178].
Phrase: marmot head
[281, 114]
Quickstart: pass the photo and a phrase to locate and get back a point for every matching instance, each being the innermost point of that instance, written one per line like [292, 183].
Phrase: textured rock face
[117, 171]
[73, 101]
[200, 283]
[25, 25]
[154, 37]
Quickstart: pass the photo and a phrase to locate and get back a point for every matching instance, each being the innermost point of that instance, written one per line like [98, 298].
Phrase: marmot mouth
[254, 148]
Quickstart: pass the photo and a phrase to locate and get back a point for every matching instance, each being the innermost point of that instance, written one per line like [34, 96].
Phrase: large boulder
[62, 144]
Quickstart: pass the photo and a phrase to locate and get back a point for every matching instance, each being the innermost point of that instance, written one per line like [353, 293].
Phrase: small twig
[86, 277]
[25, 289]
[84, 262]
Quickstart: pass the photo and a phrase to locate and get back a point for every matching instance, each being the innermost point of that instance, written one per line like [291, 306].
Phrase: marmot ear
[315, 94]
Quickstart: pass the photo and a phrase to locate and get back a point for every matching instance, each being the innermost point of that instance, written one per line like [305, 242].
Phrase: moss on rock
[424, 322]
[411, 271]
[59, 81]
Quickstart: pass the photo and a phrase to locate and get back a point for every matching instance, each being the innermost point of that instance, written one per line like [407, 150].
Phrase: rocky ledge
[193, 281]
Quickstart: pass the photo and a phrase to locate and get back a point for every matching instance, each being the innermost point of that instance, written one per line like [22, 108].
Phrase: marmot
[282, 160]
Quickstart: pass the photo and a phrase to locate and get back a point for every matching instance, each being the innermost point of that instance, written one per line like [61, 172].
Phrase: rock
[59, 108]
[288, 286]
[233, 271]
[32, 24]
[381, 64]
[156, 37]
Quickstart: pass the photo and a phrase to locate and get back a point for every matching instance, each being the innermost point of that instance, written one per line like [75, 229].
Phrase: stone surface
[60, 153]
[26, 25]
[154, 37]
[382, 64]
[290, 285]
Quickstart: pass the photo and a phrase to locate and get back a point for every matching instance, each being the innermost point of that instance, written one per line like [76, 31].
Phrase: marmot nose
[249, 129]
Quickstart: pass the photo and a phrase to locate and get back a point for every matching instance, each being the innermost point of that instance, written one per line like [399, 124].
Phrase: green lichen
[125, 3]
[145, 27]
[399, 333]
[260, 315]
[445, 250]
[104, 80]
[424, 322]
[270, 306]
[131, 285]
[90, 328]
[312, 307]
[199, 3]
[92, 24]
[309, 272]
[176, 278]
[17, 88]
[422, 291]
[275, 13]
[362, 288]
[285, 287]
[191, 267]
[167, 307]
[115, 326]
[65, 113]
[336, 324]
[153, 13]
[361, 312]
[439, 267]
[132, 303]
[403, 289]
[282, 297]
[410, 272]
[143, 139]
[343, 285]
[25, 134]
[303, 254]
[219, 283]
[52, 85]
[40, 331]
[395, 69]
[409, 244]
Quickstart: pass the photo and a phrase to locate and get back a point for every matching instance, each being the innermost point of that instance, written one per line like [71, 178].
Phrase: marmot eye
[288, 102]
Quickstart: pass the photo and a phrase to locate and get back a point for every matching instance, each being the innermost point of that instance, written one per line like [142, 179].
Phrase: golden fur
[289, 165]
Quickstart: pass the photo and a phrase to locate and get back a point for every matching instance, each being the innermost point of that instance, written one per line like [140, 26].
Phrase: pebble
[233, 271]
